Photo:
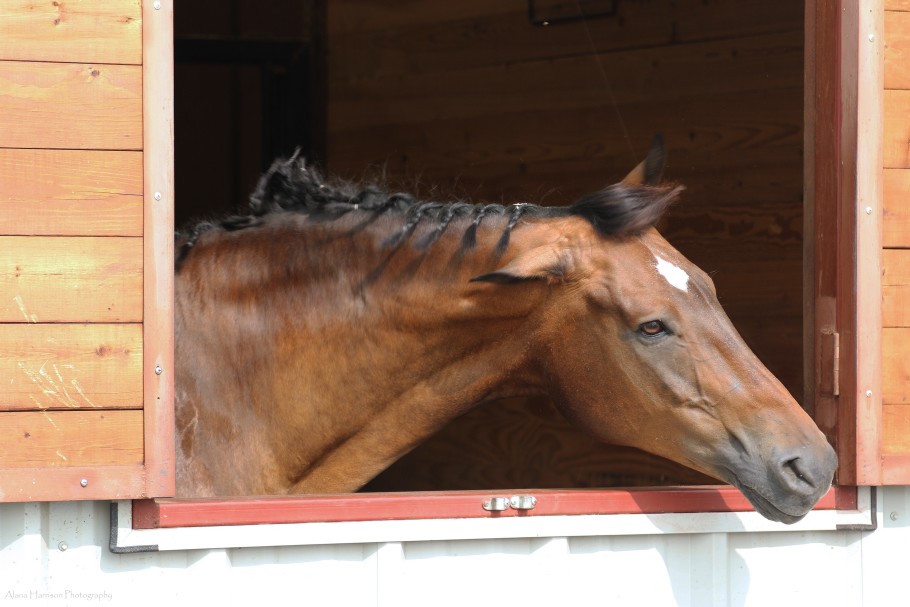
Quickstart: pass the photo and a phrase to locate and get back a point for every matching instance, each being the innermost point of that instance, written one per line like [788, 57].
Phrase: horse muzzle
[793, 481]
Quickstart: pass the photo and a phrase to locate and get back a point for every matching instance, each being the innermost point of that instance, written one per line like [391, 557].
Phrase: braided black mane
[291, 186]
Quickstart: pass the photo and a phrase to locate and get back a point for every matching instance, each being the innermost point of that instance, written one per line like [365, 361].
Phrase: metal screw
[871, 37]
[157, 6]
[868, 210]
[894, 516]
[157, 195]
[62, 546]
[84, 482]
[545, 23]
[158, 370]
[869, 393]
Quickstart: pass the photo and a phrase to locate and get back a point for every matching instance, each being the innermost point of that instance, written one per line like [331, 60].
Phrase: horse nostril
[791, 467]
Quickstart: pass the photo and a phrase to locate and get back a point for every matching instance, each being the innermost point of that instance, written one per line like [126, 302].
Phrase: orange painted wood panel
[895, 468]
[897, 5]
[897, 50]
[70, 105]
[70, 438]
[896, 366]
[895, 429]
[896, 287]
[70, 193]
[70, 366]
[45, 484]
[104, 31]
[896, 221]
[896, 144]
[70, 279]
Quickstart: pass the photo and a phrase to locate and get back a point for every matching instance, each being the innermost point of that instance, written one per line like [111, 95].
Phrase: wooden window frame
[163, 525]
[843, 296]
[844, 217]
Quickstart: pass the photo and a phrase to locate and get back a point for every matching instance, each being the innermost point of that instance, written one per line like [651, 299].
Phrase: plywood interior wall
[468, 99]
[896, 235]
[71, 238]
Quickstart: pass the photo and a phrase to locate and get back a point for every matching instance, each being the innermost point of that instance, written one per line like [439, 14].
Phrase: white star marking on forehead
[675, 275]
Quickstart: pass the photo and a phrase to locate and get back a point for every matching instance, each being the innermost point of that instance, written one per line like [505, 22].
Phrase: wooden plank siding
[75, 246]
[70, 193]
[70, 279]
[472, 100]
[70, 105]
[70, 438]
[70, 366]
[896, 242]
[71, 30]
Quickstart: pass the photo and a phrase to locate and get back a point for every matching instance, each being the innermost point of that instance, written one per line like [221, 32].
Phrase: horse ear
[650, 169]
[542, 263]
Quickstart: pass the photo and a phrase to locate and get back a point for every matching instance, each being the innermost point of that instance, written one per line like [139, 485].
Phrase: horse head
[635, 347]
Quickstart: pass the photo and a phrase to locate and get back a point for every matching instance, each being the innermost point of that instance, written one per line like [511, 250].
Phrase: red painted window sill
[170, 513]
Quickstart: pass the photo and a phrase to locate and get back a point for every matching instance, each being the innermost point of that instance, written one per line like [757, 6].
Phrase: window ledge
[170, 524]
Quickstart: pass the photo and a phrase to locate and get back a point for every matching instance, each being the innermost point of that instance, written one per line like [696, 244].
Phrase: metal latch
[496, 504]
[517, 502]
[523, 502]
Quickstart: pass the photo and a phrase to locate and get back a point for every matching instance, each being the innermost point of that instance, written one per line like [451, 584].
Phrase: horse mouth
[765, 507]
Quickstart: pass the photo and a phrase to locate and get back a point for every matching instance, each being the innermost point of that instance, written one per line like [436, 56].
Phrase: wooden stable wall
[75, 241]
[469, 99]
[896, 235]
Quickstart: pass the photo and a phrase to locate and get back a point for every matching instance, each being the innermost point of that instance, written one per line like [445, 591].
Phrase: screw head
[868, 210]
[157, 6]
[84, 482]
[157, 195]
[869, 393]
[894, 516]
[158, 370]
[871, 37]
[62, 546]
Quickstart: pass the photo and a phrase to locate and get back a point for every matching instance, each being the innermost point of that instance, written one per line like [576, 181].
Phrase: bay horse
[333, 329]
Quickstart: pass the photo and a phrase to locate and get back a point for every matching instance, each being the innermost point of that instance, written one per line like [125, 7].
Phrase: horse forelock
[291, 186]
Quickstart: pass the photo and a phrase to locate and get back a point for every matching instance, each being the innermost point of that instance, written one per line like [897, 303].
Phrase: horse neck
[417, 311]
[386, 346]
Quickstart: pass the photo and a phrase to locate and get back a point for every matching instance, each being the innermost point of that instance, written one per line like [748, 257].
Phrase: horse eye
[652, 328]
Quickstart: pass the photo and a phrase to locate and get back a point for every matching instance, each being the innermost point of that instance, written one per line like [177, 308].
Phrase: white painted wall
[776, 569]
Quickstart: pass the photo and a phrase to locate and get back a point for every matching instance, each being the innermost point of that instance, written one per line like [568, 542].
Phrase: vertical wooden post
[843, 140]
[158, 193]
[821, 196]
[867, 217]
